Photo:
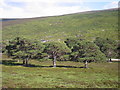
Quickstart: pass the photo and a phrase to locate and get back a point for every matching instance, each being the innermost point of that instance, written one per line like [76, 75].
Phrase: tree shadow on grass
[60, 66]
[12, 63]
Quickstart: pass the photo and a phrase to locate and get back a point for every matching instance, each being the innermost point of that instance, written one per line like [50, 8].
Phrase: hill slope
[87, 25]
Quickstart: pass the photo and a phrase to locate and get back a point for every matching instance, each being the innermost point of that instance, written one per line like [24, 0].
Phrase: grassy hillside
[85, 25]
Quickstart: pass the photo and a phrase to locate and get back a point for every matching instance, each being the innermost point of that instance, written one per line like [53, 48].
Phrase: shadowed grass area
[41, 75]
[13, 63]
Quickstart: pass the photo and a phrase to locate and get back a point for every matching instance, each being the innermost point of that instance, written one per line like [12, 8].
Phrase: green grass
[86, 25]
[98, 75]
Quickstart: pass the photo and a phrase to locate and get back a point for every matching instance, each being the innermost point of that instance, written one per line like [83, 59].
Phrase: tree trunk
[26, 62]
[86, 64]
[23, 62]
[110, 60]
[54, 61]
[18, 61]
[75, 58]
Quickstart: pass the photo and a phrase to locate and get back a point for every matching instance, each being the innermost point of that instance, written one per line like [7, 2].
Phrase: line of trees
[73, 49]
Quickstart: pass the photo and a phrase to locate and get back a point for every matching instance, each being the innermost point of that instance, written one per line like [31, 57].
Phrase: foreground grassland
[66, 75]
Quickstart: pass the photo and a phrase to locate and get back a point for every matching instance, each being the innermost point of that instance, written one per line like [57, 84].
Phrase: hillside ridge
[13, 21]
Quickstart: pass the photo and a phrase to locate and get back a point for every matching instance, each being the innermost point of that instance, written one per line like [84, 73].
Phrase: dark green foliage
[44, 55]
[3, 46]
[56, 49]
[36, 49]
[77, 50]
[64, 57]
[89, 59]
[24, 49]
[70, 42]
[107, 46]
[82, 49]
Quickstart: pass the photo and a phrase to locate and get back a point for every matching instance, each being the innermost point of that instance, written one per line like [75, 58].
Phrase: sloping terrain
[87, 25]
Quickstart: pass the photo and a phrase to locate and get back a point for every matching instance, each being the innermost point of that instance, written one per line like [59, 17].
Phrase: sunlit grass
[98, 75]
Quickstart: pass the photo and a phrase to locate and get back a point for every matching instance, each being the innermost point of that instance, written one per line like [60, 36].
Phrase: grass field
[66, 75]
